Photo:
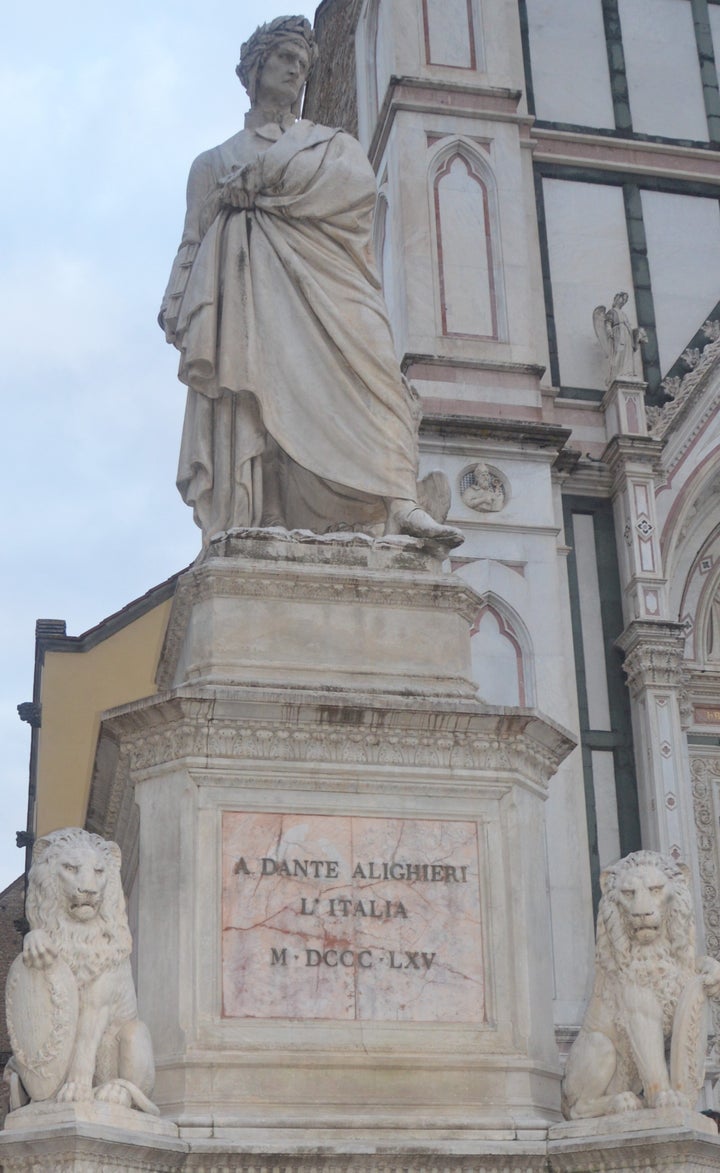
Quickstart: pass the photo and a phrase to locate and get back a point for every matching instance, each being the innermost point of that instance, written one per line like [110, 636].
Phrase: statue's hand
[241, 187]
[709, 971]
[38, 950]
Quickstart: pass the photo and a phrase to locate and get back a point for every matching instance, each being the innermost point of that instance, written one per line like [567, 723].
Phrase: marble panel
[569, 36]
[714, 16]
[606, 811]
[589, 263]
[683, 240]
[592, 633]
[345, 918]
[449, 33]
[663, 71]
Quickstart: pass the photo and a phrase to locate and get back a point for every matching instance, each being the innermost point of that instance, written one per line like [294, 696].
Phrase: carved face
[284, 73]
[82, 877]
[643, 894]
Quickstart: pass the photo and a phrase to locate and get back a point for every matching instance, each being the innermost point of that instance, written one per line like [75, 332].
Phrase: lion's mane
[665, 964]
[88, 948]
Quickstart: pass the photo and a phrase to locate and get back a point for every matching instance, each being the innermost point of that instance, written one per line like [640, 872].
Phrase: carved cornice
[471, 744]
[653, 655]
[523, 433]
[688, 391]
[457, 99]
[639, 452]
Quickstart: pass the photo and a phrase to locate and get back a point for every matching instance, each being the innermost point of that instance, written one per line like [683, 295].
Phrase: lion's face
[643, 894]
[76, 897]
[82, 878]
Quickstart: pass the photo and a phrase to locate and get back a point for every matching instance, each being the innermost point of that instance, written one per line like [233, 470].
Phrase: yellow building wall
[77, 687]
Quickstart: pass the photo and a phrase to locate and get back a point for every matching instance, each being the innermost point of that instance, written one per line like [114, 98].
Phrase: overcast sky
[102, 110]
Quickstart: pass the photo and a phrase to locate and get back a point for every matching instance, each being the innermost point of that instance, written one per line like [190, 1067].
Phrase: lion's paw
[623, 1102]
[114, 1092]
[669, 1098]
[74, 1092]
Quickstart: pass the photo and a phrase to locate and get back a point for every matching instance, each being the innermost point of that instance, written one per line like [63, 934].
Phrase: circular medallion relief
[482, 488]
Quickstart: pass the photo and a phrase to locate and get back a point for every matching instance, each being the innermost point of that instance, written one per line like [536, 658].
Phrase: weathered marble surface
[354, 938]
[70, 998]
[650, 993]
[297, 412]
[620, 342]
[330, 611]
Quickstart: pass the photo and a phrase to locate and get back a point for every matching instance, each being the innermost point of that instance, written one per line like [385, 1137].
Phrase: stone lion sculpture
[71, 1004]
[650, 990]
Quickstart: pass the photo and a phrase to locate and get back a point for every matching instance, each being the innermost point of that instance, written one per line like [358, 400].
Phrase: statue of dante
[297, 413]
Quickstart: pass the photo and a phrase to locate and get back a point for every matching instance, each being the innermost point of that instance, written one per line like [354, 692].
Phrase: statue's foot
[75, 1092]
[410, 519]
[114, 1092]
[622, 1102]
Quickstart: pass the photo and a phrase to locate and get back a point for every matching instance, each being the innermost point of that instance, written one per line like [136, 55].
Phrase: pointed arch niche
[464, 208]
[499, 647]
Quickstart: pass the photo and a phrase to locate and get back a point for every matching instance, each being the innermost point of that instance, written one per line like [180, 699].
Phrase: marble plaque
[349, 918]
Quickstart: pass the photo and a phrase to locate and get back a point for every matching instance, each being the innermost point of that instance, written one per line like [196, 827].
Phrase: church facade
[534, 159]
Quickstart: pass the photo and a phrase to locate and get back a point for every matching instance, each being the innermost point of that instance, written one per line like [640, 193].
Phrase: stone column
[654, 666]
[653, 645]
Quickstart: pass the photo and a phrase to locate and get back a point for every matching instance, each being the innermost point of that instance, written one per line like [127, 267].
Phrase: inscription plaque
[340, 917]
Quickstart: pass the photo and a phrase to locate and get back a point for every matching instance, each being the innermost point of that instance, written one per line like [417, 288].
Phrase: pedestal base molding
[83, 1145]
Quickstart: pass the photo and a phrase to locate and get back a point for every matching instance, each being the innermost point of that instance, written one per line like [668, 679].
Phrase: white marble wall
[418, 147]
[589, 263]
[662, 67]
[683, 239]
[515, 558]
[571, 79]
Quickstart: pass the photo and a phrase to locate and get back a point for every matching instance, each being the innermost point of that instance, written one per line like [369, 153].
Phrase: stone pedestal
[341, 882]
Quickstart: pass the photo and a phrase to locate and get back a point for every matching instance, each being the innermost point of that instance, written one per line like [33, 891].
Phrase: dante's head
[285, 33]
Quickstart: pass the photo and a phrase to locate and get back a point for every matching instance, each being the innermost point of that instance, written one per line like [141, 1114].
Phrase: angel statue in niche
[619, 340]
[297, 412]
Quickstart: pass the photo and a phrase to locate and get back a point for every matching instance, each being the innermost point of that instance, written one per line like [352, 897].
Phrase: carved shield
[42, 1018]
[689, 1039]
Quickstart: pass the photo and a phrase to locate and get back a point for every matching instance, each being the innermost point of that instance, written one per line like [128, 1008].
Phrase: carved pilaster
[633, 462]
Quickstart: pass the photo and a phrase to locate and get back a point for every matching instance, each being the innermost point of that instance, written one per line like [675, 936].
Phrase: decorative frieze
[686, 391]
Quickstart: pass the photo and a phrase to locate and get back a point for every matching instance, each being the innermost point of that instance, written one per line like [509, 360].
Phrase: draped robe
[284, 339]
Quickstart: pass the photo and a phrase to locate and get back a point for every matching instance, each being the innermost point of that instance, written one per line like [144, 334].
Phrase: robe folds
[284, 339]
